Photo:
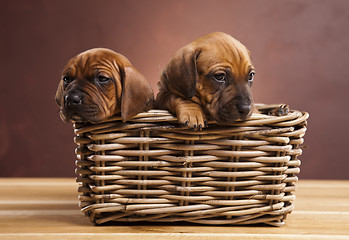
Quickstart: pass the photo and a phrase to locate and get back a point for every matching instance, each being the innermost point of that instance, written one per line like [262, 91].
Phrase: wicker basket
[152, 169]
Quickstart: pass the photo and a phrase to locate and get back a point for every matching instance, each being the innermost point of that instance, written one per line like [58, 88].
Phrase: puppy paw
[281, 110]
[191, 115]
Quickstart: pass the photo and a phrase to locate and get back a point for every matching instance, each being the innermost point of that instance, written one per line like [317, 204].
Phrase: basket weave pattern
[152, 169]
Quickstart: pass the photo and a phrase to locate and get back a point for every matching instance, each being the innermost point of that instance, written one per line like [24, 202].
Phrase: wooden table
[48, 209]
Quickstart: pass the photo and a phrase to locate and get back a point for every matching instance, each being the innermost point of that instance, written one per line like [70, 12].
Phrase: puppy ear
[137, 95]
[59, 94]
[60, 101]
[181, 73]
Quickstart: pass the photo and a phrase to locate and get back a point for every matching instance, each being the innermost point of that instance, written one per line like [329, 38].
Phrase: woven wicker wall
[152, 169]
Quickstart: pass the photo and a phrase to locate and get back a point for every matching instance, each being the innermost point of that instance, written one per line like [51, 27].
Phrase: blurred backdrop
[299, 48]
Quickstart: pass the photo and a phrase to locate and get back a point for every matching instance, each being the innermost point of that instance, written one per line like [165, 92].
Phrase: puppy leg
[281, 110]
[188, 112]
[275, 110]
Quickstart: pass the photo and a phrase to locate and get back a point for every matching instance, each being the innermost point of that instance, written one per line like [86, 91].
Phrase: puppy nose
[73, 98]
[243, 109]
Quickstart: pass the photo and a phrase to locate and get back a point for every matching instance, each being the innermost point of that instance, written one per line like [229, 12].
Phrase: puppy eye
[219, 77]
[103, 79]
[251, 77]
[67, 80]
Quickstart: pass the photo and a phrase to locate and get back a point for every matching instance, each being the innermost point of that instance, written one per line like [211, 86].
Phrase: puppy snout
[243, 109]
[73, 98]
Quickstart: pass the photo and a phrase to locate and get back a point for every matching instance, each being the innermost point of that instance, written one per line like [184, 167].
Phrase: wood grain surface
[47, 209]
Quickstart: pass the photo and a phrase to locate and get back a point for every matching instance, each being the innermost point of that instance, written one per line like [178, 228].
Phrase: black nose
[73, 98]
[243, 109]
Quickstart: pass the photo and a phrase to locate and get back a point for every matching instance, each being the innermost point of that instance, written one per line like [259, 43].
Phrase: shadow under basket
[153, 169]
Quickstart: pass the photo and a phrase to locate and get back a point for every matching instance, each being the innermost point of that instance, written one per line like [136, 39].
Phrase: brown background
[299, 48]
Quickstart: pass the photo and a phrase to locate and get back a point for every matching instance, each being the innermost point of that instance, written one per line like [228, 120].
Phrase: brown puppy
[208, 79]
[100, 83]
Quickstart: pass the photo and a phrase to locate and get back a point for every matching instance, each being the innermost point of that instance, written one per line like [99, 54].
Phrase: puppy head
[100, 83]
[215, 71]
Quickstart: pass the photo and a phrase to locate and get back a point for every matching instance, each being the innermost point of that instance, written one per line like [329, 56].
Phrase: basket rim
[155, 117]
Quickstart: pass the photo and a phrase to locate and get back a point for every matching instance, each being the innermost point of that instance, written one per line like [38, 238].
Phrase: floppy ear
[59, 94]
[181, 72]
[60, 101]
[137, 95]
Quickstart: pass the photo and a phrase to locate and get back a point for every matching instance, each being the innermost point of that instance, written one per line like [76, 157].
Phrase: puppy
[208, 79]
[100, 83]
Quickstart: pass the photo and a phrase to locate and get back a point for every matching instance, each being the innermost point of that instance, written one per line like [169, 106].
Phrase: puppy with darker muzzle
[208, 79]
[100, 83]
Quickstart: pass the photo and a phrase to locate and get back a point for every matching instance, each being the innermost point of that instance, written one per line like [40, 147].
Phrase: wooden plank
[38, 193]
[50, 221]
[38, 188]
[322, 195]
[169, 236]
[47, 209]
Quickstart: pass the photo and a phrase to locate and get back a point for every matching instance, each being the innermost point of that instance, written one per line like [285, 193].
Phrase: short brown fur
[189, 88]
[100, 83]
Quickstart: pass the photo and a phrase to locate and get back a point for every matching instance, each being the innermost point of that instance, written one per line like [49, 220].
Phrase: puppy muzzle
[76, 108]
[73, 98]
[244, 109]
[233, 111]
